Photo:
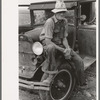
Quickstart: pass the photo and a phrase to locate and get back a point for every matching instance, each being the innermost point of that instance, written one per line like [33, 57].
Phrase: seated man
[54, 38]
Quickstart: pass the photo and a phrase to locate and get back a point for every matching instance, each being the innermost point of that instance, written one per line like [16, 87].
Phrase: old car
[82, 38]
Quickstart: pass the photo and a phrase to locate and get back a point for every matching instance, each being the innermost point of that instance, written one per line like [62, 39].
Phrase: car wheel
[61, 86]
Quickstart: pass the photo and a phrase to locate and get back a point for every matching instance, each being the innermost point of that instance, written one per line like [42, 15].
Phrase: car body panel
[50, 5]
[34, 34]
[87, 41]
[26, 55]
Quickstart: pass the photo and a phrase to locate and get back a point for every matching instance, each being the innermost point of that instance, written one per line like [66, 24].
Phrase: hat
[59, 6]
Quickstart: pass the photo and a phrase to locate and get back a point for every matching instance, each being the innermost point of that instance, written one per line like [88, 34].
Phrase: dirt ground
[87, 94]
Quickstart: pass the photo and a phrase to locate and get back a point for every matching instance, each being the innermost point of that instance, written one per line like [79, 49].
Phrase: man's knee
[51, 47]
[77, 60]
[76, 57]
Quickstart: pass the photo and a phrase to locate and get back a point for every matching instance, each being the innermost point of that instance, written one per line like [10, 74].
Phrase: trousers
[76, 59]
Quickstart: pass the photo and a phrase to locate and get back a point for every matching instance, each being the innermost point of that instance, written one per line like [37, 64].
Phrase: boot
[49, 79]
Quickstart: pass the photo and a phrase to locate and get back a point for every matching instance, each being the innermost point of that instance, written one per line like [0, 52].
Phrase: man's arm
[65, 43]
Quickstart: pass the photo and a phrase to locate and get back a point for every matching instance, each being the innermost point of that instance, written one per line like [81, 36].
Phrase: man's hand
[67, 52]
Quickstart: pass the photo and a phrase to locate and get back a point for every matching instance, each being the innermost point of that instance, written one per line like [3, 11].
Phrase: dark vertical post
[32, 17]
[76, 25]
[79, 12]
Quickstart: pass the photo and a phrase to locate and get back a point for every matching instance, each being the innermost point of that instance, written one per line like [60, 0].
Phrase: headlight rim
[39, 50]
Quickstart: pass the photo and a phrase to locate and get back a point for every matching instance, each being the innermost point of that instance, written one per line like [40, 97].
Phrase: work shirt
[55, 30]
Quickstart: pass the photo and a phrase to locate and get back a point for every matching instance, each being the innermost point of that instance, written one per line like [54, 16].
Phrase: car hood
[34, 34]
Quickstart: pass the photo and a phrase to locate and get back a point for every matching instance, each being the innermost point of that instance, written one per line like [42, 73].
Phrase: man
[54, 38]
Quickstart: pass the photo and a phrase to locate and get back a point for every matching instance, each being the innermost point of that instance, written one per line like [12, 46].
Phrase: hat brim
[58, 10]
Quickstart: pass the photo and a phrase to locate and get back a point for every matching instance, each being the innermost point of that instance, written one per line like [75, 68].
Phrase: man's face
[60, 15]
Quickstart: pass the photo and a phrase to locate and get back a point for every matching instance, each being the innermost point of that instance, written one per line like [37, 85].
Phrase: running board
[33, 85]
[88, 61]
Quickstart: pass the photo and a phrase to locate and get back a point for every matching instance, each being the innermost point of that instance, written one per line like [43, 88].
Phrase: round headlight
[37, 48]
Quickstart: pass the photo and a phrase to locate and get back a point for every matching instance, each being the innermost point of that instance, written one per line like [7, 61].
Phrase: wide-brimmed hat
[59, 6]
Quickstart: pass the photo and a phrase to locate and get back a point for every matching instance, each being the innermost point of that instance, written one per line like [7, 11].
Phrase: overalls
[51, 52]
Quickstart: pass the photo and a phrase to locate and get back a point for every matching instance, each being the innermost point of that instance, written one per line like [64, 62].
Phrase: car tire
[54, 94]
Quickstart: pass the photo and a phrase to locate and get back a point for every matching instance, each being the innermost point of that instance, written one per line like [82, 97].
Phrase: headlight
[37, 48]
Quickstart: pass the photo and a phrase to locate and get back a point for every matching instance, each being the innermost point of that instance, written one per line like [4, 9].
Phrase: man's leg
[50, 64]
[79, 65]
[51, 52]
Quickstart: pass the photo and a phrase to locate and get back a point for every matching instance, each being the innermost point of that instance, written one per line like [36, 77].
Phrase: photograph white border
[9, 50]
